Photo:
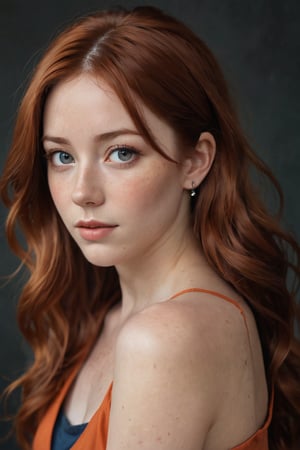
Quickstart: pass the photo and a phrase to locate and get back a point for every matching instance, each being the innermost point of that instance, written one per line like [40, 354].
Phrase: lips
[92, 230]
[93, 224]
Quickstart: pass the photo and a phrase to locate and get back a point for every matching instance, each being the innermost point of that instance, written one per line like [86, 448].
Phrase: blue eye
[122, 154]
[60, 158]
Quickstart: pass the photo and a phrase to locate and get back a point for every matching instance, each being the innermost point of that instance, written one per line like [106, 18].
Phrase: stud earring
[192, 192]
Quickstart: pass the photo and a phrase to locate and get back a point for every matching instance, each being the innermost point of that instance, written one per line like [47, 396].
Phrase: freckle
[169, 434]
[154, 366]
[140, 442]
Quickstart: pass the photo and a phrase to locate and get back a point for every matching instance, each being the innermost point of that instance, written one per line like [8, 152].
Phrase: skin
[153, 348]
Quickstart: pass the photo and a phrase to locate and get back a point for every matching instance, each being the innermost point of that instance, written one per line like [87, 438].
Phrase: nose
[87, 188]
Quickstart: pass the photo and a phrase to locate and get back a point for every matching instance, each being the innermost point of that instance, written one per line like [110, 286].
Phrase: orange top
[95, 434]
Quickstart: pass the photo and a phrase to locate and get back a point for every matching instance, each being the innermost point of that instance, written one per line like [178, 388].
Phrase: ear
[199, 161]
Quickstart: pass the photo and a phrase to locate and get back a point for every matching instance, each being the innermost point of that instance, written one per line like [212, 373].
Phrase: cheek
[58, 192]
[150, 191]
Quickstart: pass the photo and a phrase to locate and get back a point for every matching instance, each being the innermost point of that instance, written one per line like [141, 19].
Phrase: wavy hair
[145, 54]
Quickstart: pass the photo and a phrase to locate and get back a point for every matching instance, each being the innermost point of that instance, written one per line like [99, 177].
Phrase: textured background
[258, 46]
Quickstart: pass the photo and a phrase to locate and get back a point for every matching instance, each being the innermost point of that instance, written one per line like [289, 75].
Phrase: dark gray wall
[256, 42]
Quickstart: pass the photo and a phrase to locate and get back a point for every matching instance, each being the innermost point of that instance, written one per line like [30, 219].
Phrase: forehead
[72, 99]
[88, 104]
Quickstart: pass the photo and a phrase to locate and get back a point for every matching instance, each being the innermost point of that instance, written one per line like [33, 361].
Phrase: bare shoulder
[195, 321]
[171, 362]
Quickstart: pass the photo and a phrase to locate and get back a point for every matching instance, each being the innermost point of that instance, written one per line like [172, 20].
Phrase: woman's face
[119, 199]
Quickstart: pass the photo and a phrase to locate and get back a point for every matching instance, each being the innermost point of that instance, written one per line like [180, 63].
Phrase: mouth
[92, 224]
[93, 230]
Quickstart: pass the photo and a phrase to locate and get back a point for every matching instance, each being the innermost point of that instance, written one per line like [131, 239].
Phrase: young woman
[158, 306]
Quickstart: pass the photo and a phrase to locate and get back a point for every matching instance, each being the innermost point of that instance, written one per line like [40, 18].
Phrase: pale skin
[186, 375]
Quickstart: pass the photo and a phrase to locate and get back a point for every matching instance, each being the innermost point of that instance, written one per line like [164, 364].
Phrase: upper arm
[167, 387]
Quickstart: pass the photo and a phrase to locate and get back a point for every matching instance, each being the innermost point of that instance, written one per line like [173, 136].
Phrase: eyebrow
[98, 138]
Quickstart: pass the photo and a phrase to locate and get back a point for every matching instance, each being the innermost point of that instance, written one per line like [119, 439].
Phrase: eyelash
[49, 155]
[134, 153]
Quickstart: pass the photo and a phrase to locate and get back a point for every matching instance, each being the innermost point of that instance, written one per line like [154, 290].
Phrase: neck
[162, 272]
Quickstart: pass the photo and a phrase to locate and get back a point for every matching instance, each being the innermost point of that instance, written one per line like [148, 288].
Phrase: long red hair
[148, 55]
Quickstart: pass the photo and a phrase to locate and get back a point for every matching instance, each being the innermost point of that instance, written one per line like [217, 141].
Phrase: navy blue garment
[65, 434]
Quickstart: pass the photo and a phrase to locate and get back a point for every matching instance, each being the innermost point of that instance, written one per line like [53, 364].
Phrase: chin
[100, 258]
[98, 261]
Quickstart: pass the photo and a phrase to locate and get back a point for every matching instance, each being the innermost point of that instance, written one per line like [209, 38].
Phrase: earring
[192, 192]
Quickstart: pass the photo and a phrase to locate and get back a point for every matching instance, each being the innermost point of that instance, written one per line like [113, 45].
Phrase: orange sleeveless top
[95, 434]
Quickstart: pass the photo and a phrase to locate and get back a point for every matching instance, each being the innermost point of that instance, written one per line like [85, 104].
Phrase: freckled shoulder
[189, 321]
[171, 360]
